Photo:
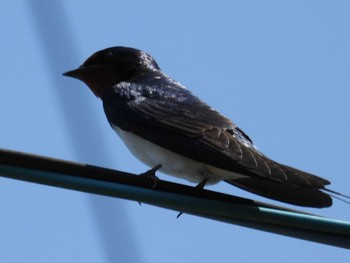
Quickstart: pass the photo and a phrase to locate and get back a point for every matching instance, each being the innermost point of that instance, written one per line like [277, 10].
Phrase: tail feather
[292, 194]
[337, 195]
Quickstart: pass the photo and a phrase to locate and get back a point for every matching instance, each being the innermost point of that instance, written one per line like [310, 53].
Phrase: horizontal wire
[177, 197]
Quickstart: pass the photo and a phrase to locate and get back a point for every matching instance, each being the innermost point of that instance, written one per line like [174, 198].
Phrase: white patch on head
[172, 163]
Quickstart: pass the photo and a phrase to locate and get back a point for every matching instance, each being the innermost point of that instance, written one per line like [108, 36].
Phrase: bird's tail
[337, 195]
[288, 193]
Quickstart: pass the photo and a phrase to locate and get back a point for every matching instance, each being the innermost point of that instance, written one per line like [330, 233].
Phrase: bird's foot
[201, 184]
[198, 187]
[151, 174]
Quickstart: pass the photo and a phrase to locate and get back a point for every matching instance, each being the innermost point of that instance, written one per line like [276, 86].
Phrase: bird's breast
[172, 163]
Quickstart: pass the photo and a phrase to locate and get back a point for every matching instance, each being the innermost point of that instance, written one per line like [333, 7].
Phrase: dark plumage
[164, 123]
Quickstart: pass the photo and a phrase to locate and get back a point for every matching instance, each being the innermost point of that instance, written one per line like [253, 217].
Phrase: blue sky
[278, 69]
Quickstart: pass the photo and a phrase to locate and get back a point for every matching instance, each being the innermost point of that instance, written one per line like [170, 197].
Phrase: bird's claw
[198, 187]
[180, 213]
[151, 174]
[201, 184]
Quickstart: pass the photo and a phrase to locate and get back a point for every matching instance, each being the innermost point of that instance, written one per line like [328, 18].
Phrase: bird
[168, 128]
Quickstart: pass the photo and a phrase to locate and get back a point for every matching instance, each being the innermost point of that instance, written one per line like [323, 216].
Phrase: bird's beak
[75, 73]
[94, 77]
[84, 73]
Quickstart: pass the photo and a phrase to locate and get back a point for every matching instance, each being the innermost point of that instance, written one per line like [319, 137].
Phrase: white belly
[172, 163]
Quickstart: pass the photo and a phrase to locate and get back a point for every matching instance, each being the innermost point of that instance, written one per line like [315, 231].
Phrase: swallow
[168, 128]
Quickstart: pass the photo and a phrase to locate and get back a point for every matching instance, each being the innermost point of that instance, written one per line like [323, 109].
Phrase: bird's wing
[192, 129]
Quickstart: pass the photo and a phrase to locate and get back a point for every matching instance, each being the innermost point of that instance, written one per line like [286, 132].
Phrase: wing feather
[192, 128]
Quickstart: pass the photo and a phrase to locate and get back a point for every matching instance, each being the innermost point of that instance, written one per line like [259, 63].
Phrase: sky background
[279, 69]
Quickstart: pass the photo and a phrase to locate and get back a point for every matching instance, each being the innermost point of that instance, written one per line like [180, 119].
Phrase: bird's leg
[201, 184]
[151, 174]
[198, 187]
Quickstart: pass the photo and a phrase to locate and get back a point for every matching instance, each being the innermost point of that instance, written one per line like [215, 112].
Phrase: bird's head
[110, 66]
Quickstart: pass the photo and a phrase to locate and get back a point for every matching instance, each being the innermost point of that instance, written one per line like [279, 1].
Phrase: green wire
[211, 205]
